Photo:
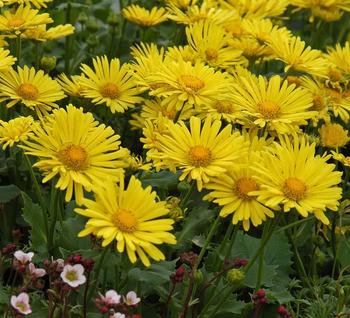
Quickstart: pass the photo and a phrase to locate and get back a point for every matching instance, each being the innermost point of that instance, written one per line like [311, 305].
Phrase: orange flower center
[199, 156]
[269, 110]
[16, 22]
[125, 221]
[224, 106]
[294, 189]
[192, 82]
[211, 54]
[318, 103]
[28, 91]
[243, 186]
[110, 90]
[74, 157]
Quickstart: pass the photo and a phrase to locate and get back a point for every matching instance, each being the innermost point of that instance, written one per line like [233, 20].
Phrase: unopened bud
[48, 63]
[235, 277]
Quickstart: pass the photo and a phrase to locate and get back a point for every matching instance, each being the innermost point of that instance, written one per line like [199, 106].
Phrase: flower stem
[207, 242]
[263, 243]
[18, 48]
[40, 197]
[86, 294]
[187, 196]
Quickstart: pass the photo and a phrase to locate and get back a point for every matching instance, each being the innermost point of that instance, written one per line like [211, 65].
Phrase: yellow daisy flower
[232, 191]
[201, 152]
[109, 83]
[326, 10]
[148, 59]
[153, 108]
[72, 86]
[183, 82]
[82, 153]
[22, 19]
[341, 158]
[6, 60]
[273, 103]
[141, 16]
[36, 90]
[40, 33]
[257, 8]
[291, 175]
[297, 57]
[209, 41]
[182, 4]
[132, 217]
[185, 53]
[15, 131]
[333, 136]
[36, 3]
[339, 57]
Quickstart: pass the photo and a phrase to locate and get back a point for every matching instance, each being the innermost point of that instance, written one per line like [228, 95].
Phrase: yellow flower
[148, 59]
[136, 163]
[36, 3]
[77, 149]
[297, 57]
[40, 33]
[6, 60]
[36, 90]
[130, 216]
[72, 86]
[205, 11]
[16, 130]
[333, 136]
[201, 152]
[327, 10]
[153, 109]
[257, 8]
[22, 19]
[291, 175]
[339, 58]
[273, 103]
[341, 158]
[209, 41]
[182, 4]
[109, 83]
[185, 53]
[231, 191]
[136, 14]
[183, 82]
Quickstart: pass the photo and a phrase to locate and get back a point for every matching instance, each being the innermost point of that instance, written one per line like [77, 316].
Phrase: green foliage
[8, 193]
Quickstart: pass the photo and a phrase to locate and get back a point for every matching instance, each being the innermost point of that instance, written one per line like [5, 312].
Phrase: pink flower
[73, 275]
[22, 257]
[36, 272]
[111, 297]
[117, 315]
[131, 299]
[21, 303]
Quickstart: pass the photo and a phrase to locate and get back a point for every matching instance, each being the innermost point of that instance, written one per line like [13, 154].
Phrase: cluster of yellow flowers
[239, 135]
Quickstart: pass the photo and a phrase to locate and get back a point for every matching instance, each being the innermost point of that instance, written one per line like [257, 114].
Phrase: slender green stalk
[39, 194]
[18, 48]
[207, 242]
[334, 243]
[178, 114]
[68, 40]
[293, 224]
[53, 213]
[263, 243]
[187, 196]
[222, 247]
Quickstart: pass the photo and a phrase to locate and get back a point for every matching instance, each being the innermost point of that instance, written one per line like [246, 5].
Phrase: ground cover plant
[174, 158]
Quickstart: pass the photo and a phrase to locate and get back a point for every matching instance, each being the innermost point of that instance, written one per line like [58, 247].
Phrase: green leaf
[154, 277]
[33, 215]
[195, 223]
[164, 180]
[8, 193]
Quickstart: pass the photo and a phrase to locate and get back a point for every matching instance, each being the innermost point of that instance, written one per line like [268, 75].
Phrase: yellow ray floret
[71, 145]
[291, 175]
[110, 83]
[36, 3]
[146, 18]
[22, 19]
[36, 90]
[133, 217]
[202, 151]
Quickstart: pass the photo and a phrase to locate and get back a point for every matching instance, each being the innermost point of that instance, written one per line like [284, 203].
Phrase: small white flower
[73, 275]
[21, 303]
[111, 297]
[131, 298]
[22, 257]
[36, 272]
[117, 315]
